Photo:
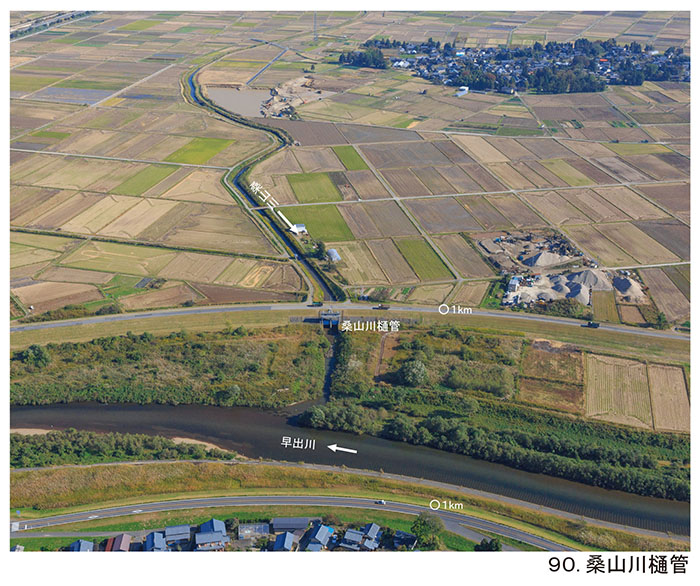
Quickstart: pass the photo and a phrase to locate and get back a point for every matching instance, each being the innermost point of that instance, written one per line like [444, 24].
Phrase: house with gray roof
[210, 541]
[155, 541]
[81, 545]
[352, 540]
[177, 535]
[284, 542]
[404, 539]
[213, 526]
[281, 524]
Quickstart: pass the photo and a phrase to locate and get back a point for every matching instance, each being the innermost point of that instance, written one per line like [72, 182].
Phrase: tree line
[85, 447]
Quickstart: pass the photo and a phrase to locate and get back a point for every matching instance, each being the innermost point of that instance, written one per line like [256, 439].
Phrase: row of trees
[85, 447]
[617, 469]
[373, 58]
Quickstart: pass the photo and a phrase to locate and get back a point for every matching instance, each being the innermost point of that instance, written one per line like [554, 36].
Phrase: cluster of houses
[444, 67]
[209, 536]
[280, 534]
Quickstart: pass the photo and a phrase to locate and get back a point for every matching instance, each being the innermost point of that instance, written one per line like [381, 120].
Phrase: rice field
[314, 187]
[423, 259]
[323, 222]
[617, 390]
[198, 151]
[350, 158]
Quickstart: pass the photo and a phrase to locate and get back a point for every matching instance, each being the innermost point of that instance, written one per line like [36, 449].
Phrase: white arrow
[337, 448]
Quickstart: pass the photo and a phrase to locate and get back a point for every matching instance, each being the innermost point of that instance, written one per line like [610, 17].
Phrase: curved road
[346, 305]
[459, 523]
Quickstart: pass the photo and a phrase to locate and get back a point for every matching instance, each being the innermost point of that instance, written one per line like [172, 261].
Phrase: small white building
[298, 229]
[333, 255]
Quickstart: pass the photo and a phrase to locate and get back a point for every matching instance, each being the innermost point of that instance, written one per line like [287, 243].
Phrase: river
[256, 433]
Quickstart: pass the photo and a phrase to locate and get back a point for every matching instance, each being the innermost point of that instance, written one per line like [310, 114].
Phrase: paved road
[354, 306]
[458, 523]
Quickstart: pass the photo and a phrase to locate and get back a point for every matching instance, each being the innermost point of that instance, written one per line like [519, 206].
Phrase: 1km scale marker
[337, 448]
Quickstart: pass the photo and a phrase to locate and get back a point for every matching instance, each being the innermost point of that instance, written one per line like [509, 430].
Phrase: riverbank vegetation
[53, 491]
[259, 368]
[85, 447]
[458, 391]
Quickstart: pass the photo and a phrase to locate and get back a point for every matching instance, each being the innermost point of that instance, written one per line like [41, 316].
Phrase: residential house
[177, 535]
[253, 530]
[81, 545]
[119, 543]
[284, 542]
[402, 539]
[282, 524]
[155, 541]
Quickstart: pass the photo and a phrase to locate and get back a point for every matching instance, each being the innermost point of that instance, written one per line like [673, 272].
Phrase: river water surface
[256, 433]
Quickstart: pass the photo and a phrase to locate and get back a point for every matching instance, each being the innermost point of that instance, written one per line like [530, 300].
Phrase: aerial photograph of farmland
[350, 281]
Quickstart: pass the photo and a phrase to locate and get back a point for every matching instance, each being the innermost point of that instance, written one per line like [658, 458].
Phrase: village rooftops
[279, 524]
[177, 533]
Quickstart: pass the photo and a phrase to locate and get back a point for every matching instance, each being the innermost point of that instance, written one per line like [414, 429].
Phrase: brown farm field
[669, 398]
[551, 394]
[668, 298]
[463, 256]
[45, 296]
[617, 390]
[553, 361]
[442, 215]
[592, 241]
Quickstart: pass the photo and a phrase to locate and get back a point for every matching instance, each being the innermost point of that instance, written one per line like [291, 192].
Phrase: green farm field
[198, 151]
[313, 187]
[423, 260]
[604, 308]
[144, 180]
[566, 172]
[322, 222]
[350, 158]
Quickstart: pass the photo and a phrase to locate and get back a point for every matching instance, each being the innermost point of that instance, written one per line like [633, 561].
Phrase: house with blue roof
[284, 542]
[213, 526]
[321, 535]
[81, 545]
[177, 535]
[210, 541]
[155, 541]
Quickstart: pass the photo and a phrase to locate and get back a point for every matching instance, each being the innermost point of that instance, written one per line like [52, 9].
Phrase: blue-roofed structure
[372, 537]
[321, 535]
[284, 542]
[404, 539]
[210, 541]
[352, 540]
[155, 541]
[314, 547]
[280, 524]
[213, 526]
[177, 534]
[81, 545]
[371, 530]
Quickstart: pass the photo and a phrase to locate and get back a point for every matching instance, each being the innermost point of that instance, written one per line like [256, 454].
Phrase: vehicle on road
[380, 502]
[382, 306]
[591, 324]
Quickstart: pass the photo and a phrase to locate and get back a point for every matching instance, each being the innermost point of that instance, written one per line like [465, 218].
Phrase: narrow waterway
[255, 433]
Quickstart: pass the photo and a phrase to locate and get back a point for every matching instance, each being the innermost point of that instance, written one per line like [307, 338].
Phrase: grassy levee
[629, 344]
[41, 493]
